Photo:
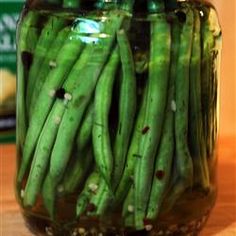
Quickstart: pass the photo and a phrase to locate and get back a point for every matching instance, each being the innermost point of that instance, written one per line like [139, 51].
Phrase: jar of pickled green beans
[117, 116]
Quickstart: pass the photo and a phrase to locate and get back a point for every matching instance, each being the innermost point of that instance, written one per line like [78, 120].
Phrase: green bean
[65, 60]
[76, 173]
[127, 107]
[132, 156]
[47, 65]
[97, 196]
[164, 157]
[197, 139]
[85, 131]
[101, 199]
[154, 110]
[100, 133]
[42, 154]
[28, 36]
[211, 39]
[84, 160]
[183, 160]
[128, 209]
[49, 32]
[83, 199]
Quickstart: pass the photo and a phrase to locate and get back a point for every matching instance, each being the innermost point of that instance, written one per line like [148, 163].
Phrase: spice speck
[81, 230]
[57, 120]
[160, 174]
[90, 207]
[173, 105]
[22, 193]
[145, 129]
[60, 189]
[68, 96]
[130, 208]
[52, 64]
[148, 227]
[60, 93]
[93, 187]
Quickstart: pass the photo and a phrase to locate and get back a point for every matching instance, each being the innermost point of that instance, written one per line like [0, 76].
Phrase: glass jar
[117, 116]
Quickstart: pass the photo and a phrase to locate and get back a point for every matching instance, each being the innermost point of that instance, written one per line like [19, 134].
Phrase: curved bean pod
[28, 37]
[132, 156]
[100, 133]
[127, 107]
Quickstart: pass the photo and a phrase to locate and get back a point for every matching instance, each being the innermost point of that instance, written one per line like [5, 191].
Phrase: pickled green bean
[127, 107]
[152, 124]
[164, 157]
[197, 139]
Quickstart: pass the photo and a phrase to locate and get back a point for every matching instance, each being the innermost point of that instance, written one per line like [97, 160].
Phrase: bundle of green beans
[89, 127]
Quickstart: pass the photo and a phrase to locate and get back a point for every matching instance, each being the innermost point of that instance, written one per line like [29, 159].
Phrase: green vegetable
[101, 136]
[164, 157]
[27, 39]
[196, 136]
[153, 119]
[183, 161]
[127, 107]
[128, 208]
[75, 174]
[85, 131]
[132, 157]
[83, 199]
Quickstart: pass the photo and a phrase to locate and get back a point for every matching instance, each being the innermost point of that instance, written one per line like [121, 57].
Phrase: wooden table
[221, 223]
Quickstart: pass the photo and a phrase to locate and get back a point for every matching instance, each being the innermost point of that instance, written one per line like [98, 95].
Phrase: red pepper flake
[160, 174]
[145, 129]
[147, 221]
[90, 207]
